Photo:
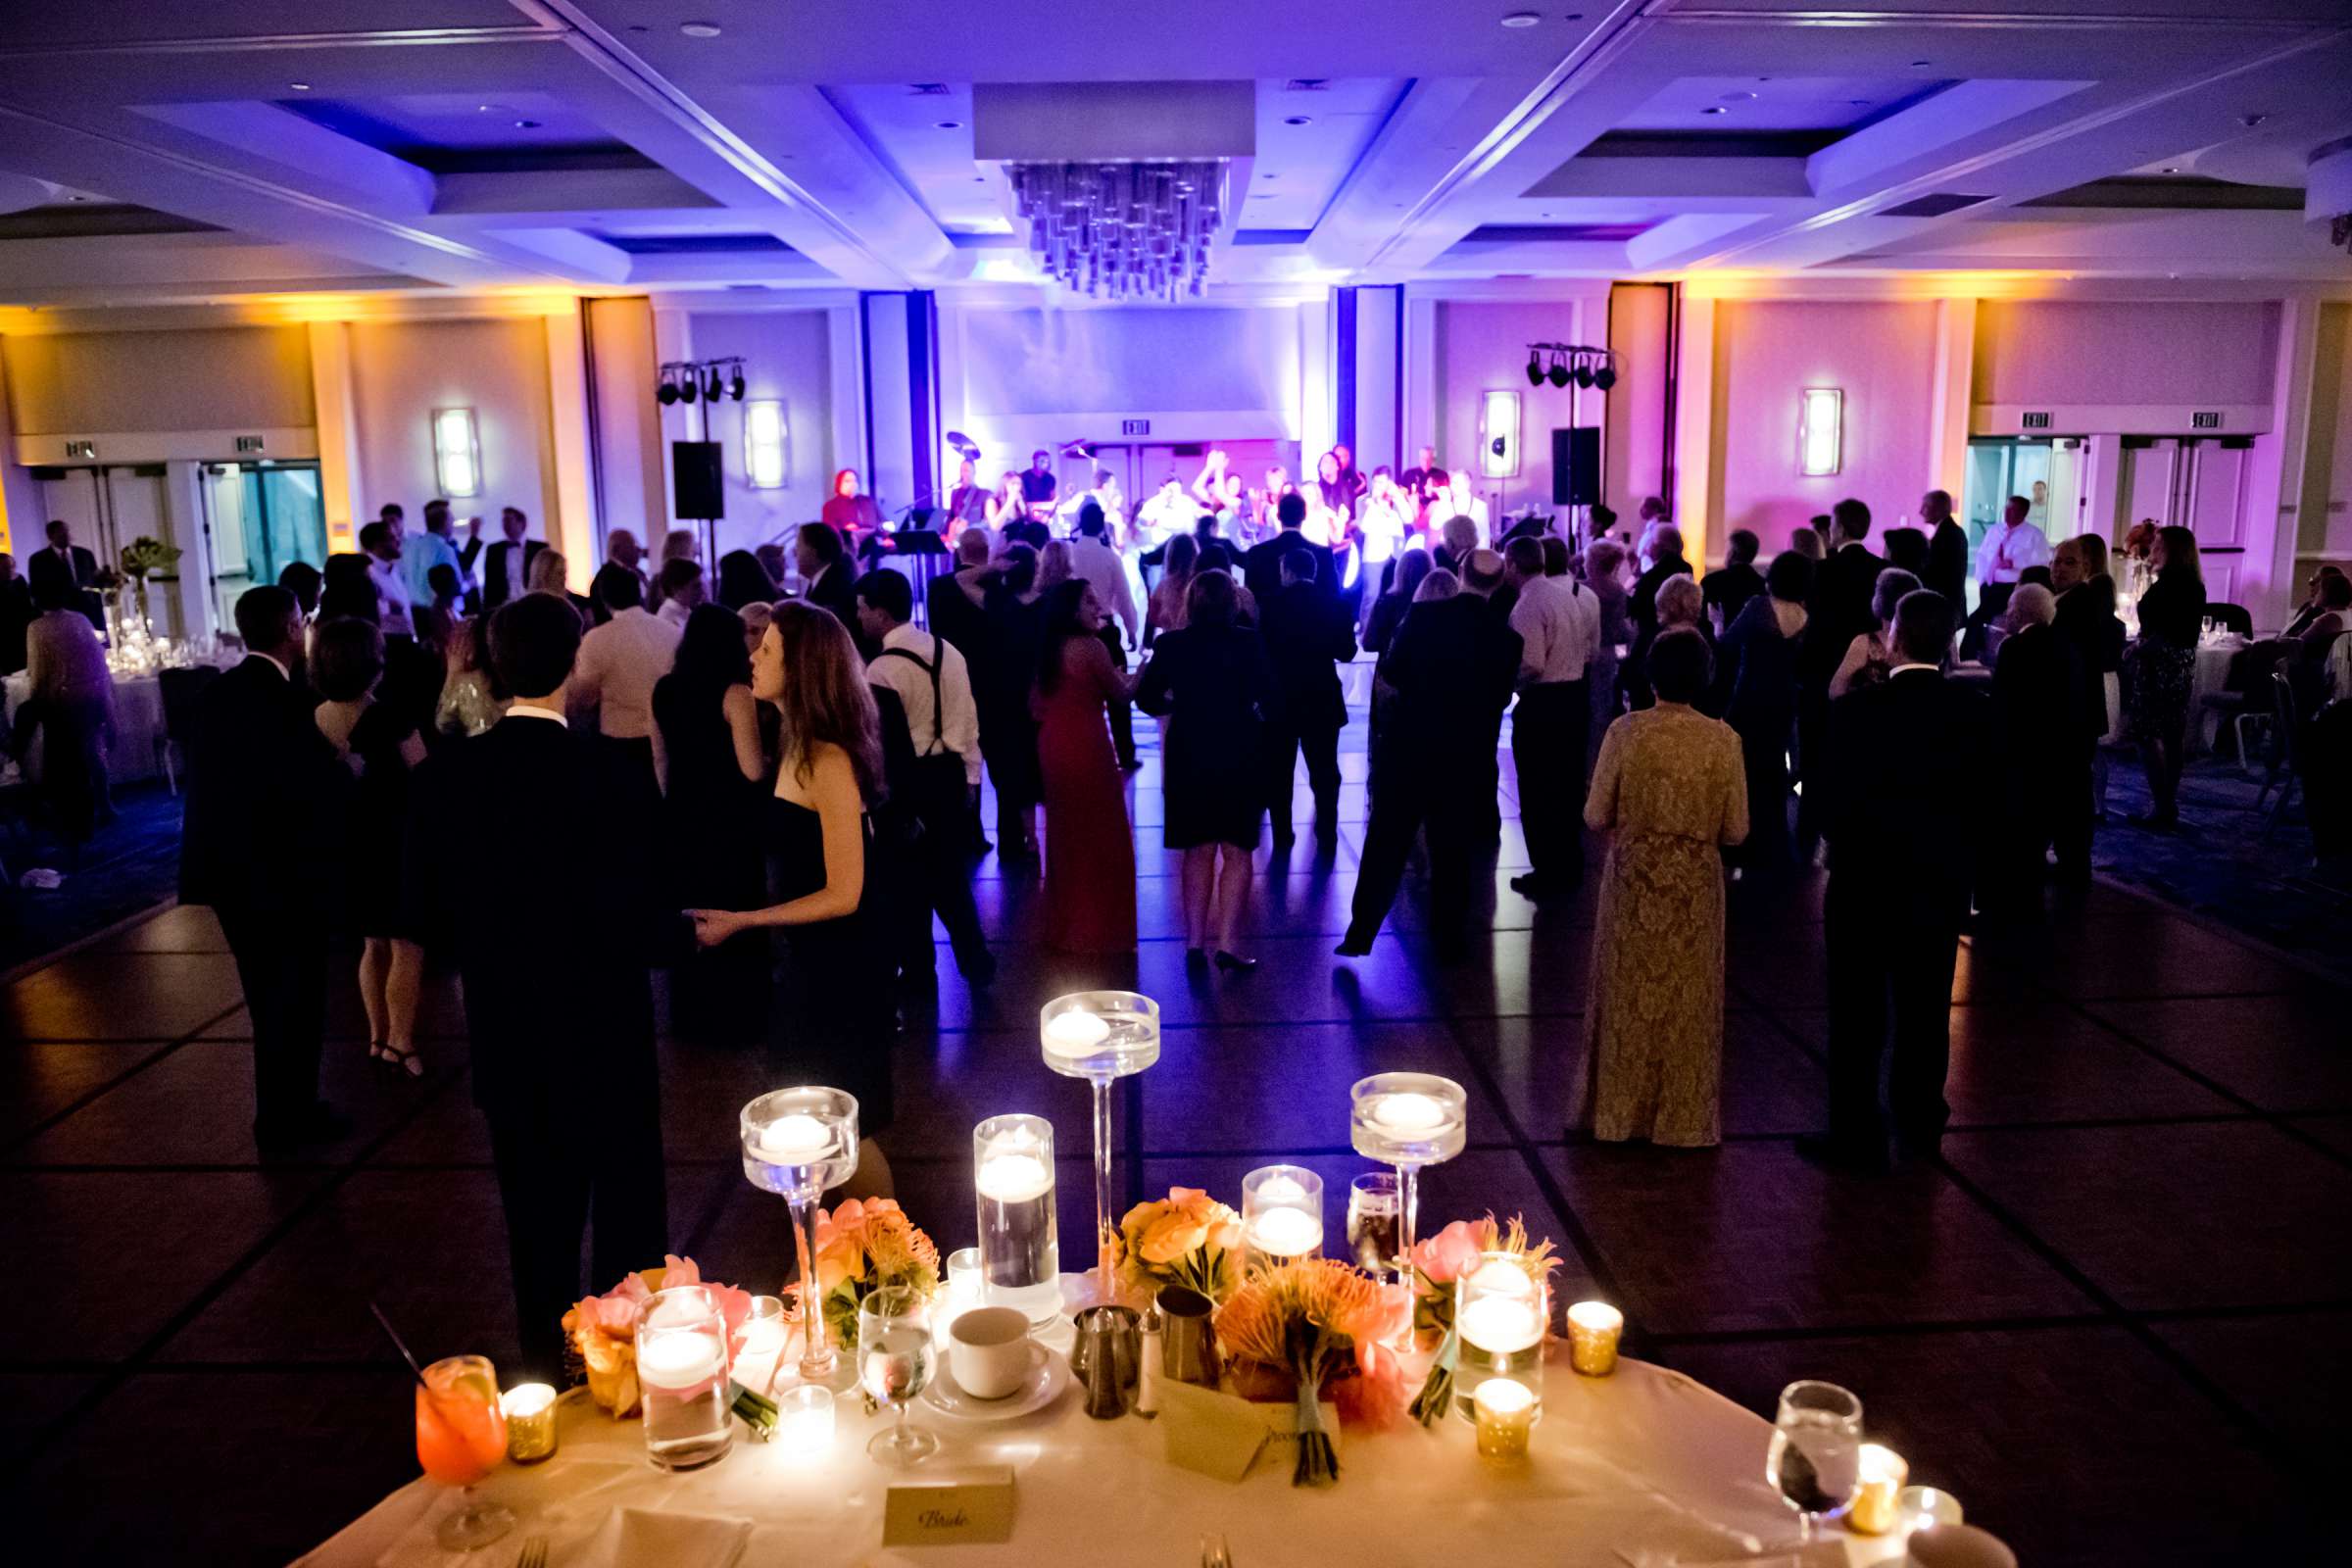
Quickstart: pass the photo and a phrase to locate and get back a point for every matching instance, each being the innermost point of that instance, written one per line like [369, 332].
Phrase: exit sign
[249, 443]
[1135, 427]
[2033, 420]
[2205, 422]
[82, 448]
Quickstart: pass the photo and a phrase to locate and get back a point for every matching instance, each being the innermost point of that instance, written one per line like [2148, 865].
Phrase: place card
[1221, 1435]
[950, 1507]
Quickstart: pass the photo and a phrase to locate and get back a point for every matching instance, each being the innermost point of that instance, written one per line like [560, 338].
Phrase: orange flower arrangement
[861, 1246]
[1318, 1324]
[1187, 1238]
[603, 1328]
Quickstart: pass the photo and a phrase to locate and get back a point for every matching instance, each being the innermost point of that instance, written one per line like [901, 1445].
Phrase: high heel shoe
[1234, 962]
[401, 1057]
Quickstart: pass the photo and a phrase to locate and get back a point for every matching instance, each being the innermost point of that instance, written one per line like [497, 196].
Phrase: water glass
[1815, 1462]
[682, 1374]
[1373, 1219]
[895, 1362]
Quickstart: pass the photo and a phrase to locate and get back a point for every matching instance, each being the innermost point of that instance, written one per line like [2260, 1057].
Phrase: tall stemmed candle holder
[1021, 1248]
[1101, 1036]
[1282, 1213]
[798, 1143]
[1409, 1121]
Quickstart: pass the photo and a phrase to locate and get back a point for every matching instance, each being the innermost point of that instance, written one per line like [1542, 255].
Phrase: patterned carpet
[130, 867]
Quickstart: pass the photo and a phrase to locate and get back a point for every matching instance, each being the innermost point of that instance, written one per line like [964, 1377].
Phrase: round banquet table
[1642, 1469]
[137, 750]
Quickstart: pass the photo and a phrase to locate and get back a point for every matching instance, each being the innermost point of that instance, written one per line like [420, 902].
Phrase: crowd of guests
[815, 763]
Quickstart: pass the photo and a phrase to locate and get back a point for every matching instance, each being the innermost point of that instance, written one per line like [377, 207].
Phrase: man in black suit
[72, 567]
[1946, 572]
[829, 579]
[1261, 564]
[1452, 664]
[1903, 796]
[16, 614]
[1307, 633]
[2038, 719]
[1641, 605]
[1836, 614]
[265, 813]
[554, 948]
[507, 564]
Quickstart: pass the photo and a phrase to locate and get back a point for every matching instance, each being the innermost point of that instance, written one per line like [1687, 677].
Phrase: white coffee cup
[988, 1350]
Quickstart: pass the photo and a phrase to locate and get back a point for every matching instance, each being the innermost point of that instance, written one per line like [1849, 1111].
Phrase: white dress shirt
[958, 727]
[619, 663]
[1099, 565]
[2007, 552]
[1165, 516]
[1558, 622]
[392, 600]
[674, 612]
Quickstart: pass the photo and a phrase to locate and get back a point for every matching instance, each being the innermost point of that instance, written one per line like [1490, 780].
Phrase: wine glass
[1372, 1223]
[460, 1436]
[895, 1359]
[1815, 1462]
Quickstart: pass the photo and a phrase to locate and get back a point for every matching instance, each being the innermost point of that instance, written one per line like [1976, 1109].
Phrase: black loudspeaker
[698, 490]
[1576, 466]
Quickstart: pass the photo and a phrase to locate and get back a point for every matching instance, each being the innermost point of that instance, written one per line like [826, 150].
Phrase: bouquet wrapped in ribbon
[1439, 1263]
[1187, 1238]
[1315, 1327]
[603, 1328]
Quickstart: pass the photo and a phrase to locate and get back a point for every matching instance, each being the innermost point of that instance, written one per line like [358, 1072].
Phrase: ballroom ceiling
[157, 154]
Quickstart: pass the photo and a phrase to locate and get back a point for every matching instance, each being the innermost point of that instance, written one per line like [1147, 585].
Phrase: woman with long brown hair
[2160, 668]
[830, 1024]
[1090, 849]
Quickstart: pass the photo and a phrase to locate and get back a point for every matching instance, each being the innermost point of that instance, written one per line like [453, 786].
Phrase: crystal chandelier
[1123, 231]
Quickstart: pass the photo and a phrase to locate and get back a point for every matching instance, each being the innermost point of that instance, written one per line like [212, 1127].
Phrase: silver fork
[534, 1552]
[1214, 1553]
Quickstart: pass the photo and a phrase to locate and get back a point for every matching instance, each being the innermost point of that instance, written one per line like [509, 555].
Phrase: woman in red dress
[1090, 851]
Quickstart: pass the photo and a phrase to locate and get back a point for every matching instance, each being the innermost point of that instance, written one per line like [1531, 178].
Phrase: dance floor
[2113, 1319]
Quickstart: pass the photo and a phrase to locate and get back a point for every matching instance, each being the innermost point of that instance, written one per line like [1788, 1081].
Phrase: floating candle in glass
[530, 1410]
[1101, 1036]
[1500, 1319]
[1021, 1248]
[1505, 1411]
[1409, 1121]
[1593, 1329]
[1282, 1212]
[799, 1142]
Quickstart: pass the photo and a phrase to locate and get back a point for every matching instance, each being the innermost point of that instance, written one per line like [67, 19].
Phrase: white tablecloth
[138, 747]
[2212, 675]
[1644, 1468]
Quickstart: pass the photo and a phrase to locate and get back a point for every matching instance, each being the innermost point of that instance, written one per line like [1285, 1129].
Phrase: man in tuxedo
[1261, 565]
[1452, 664]
[2037, 710]
[264, 816]
[554, 948]
[1836, 614]
[1902, 800]
[1948, 549]
[1307, 633]
[68, 563]
[507, 564]
[828, 579]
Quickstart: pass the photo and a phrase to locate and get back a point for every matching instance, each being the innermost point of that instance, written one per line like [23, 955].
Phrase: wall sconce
[457, 453]
[1821, 431]
[1498, 434]
[763, 443]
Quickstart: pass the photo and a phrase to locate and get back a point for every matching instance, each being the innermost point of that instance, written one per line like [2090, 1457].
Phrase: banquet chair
[2235, 618]
[2286, 760]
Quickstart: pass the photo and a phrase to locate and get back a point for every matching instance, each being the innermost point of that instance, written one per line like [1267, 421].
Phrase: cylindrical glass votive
[1021, 1251]
[1878, 1495]
[530, 1409]
[804, 1419]
[1505, 1410]
[1282, 1213]
[760, 1344]
[1500, 1318]
[1593, 1329]
[683, 1371]
[1925, 1507]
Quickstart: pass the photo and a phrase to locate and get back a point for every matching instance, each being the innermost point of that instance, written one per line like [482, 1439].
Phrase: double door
[2198, 484]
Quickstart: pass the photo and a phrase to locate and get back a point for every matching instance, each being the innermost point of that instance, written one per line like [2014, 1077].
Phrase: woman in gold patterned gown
[1671, 791]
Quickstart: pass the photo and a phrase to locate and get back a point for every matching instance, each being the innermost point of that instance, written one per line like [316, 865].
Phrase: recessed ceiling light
[949, 124]
[1716, 110]
[526, 124]
[699, 30]
[2172, 169]
[1299, 119]
[1735, 97]
[2251, 120]
[299, 86]
[1918, 64]
[1521, 19]
[77, 197]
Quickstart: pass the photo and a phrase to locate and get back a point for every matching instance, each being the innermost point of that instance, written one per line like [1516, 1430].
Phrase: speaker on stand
[698, 490]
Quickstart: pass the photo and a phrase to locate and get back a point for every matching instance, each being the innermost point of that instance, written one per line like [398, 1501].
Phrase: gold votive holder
[530, 1411]
[1877, 1504]
[1505, 1411]
[1593, 1329]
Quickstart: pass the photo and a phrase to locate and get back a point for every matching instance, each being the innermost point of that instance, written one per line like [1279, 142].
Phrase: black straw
[400, 1346]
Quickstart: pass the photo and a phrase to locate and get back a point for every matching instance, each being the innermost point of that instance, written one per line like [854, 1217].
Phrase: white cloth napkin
[637, 1538]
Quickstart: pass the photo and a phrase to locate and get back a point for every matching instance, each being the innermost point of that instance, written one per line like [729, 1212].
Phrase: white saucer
[1048, 1375]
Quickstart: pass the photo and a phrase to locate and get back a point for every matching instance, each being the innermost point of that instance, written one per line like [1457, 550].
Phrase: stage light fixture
[1582, 373]
[1559, 371]
[667, 392]
[688, 390]
[1605, 377]
[735, 382]
[711, 383]
[1535, 369]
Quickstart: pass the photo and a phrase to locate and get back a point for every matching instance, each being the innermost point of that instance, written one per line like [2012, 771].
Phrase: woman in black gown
[831, 1019]
[1211, 680]
[709, 758]
[1756, 694]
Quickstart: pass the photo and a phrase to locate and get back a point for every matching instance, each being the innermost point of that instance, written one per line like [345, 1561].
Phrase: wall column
[1697, 485]
[342, 487]
[572, 524]
[1377, 433]
[1954, 391]
[900, 398]
[1423, 424]
[626, 421]
[2274, 481]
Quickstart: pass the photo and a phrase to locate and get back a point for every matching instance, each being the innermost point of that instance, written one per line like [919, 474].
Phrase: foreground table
[1644, 1468]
